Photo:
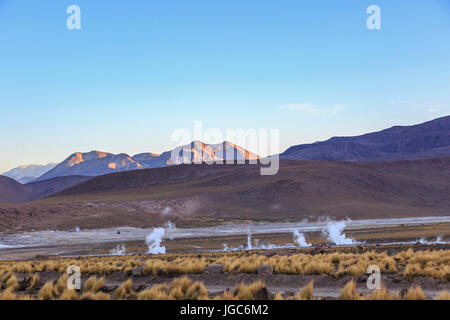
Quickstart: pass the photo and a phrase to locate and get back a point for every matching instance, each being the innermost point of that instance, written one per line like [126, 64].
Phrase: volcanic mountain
[201, 194]
[301, 188]
[98, 163]
[427, 140]
[27, 173]
[196, 152]
[94, 163]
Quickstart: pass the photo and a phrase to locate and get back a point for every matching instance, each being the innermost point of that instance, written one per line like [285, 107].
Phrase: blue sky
[137, 70]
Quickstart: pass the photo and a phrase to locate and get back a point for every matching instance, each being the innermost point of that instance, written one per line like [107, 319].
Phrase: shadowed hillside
[11, 190]
[205, 194]
[427, 140]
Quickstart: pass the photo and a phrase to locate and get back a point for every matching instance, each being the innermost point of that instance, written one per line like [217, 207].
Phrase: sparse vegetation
[349, 292]
[444, 295]
[46, 278]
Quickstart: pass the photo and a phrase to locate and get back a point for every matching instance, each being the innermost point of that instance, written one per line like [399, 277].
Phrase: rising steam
[154, 239]
[299, 239]
[335, 235]
[120, 250]
[438, 241]
[170, 229]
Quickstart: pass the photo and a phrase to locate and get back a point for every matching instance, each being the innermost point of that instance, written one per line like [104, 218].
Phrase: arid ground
[408, 272]
[412, 266]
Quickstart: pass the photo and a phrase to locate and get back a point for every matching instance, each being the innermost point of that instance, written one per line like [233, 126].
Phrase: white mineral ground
[128, 234]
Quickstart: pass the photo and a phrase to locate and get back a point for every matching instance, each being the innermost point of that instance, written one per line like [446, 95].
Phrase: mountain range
[428, 140]
[423, 141]
[202, 195]
[27, 173]
[96, 163]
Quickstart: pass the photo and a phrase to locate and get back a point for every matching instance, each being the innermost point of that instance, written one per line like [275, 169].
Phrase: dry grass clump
[61, 284]
[69, 294]
[444, 295]
[349, 292]
[125, 291]
[278, 296]
[180, 265]
[8, 294]
[52, 290]
[255, 291]
[414, 294]
[180, 289]
[95, 296]
[47, 292]
[428, 263]
[318, 268]
[93, 285]
[381, 294]
[241, 264]
[12, 283]
[23, 267]
[32, 280]
[307, 293]
[157, 292]
[5, 275]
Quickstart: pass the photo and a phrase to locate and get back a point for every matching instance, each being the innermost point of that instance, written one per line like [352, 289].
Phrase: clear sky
[137, 70]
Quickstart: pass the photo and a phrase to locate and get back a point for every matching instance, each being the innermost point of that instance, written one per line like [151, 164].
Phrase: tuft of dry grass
[8, 294]
[180, 289]
[157, 292]
[414, 294]
[196, 291]
[69, 294]
[444, 295]
[124, 291]
[95, 296]
[33, 281]
[47, 292]
[12, 283]
[279, 296]
[255, 291]
[381, 294]
[349, 292]
[93, 285]
[307, 293]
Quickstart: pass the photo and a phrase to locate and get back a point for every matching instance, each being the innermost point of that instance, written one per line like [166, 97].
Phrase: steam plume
[154, 239]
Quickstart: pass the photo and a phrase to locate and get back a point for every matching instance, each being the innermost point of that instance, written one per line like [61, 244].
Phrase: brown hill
[11, 190]
[43, 189]
[301, 188]
[191, 195]
[422, 141]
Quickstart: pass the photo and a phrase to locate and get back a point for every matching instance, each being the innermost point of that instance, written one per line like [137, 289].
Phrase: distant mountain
[196, 152]
[98, 163]
[46, 188]
[427, 140]
[301, 189]
[150, 160]
[27, 173]
[11, 190]
[93, 163]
